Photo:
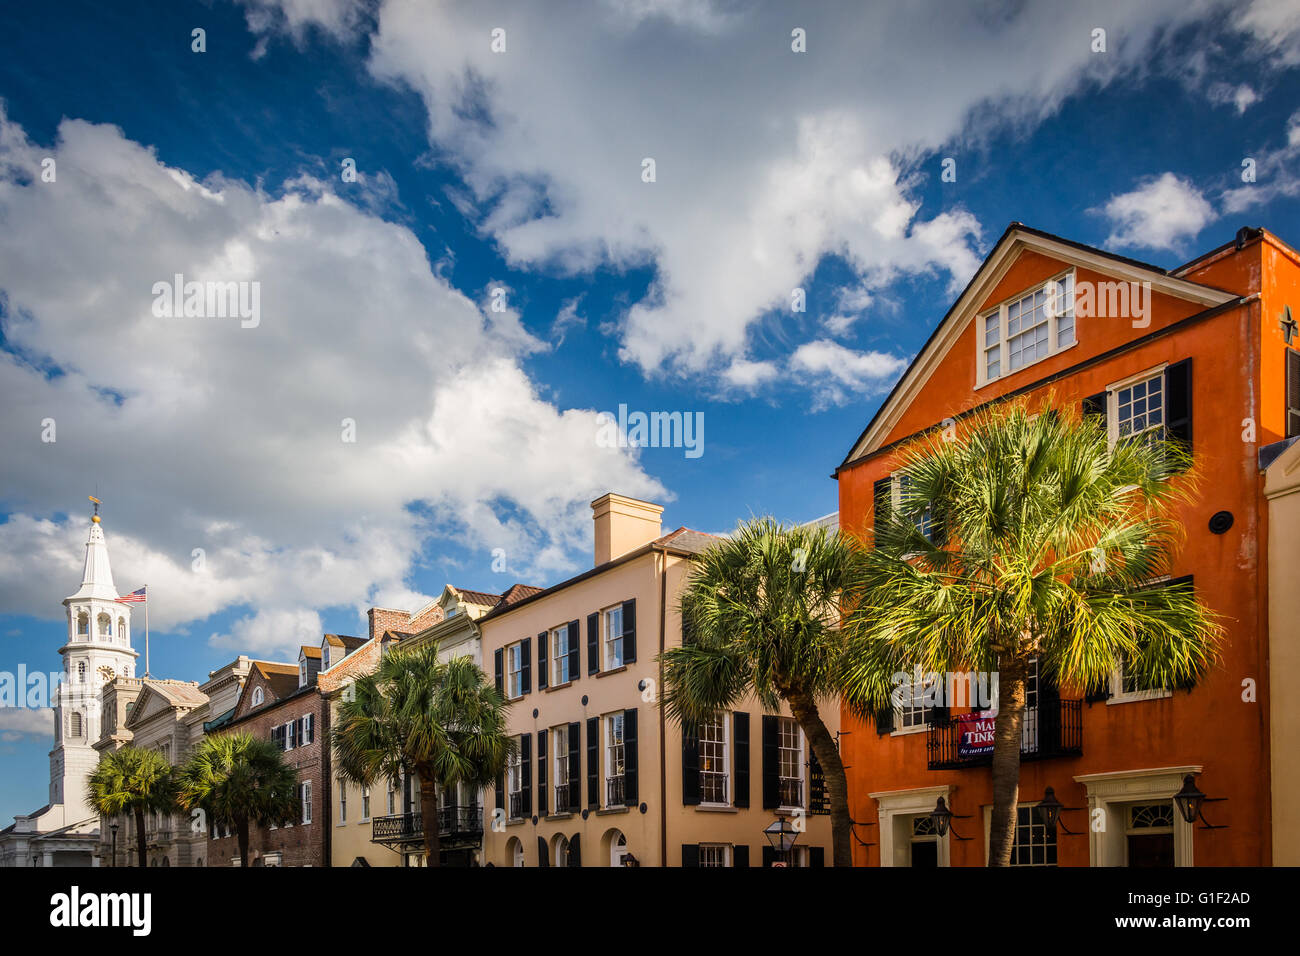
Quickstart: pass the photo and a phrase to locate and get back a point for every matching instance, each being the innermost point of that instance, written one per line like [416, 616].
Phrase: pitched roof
[687, 539]
[516, 593]
[282, 678]
[481, 598]
[1017, 237]
[177, 693]
[345, 641]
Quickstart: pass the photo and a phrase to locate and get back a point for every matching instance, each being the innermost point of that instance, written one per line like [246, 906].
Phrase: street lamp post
[112, 827]
[782, 836]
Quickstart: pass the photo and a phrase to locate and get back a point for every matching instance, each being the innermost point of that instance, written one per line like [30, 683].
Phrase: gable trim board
[1019, 238]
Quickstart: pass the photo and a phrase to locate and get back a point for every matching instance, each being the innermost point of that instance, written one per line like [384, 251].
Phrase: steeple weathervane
[95, 516]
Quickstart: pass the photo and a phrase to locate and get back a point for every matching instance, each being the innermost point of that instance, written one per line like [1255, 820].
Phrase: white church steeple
[97, 649]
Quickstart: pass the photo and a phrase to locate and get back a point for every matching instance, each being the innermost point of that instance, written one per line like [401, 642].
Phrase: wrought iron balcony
[614, 791]
[516, 805]
[456, 824]
[1051, 730]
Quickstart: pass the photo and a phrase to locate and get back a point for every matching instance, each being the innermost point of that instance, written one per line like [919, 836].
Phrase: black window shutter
[818, 800]
[690, 767]
[1178, 383]
[526, 665]
[593, 643]
[1292, 393]
[501, 791]
[575, 850]
[526, 775]
[575, 767]
[593, 761]
[816, 856]
[629, 631]
[543, 672]
[496, 669]
[1096, 405]
[771, 763]
[690, 854]
[541, 772]
[769, 856]
[938, 716]
[740, 856]
[741, 724]
[631, 796]
[543, 854]
[885, 721]
[882, 498]
[574, 664]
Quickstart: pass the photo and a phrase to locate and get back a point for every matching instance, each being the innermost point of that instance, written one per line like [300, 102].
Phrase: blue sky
[522, 170]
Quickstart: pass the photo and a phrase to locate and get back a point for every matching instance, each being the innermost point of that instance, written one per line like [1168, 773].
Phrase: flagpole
[146, 631]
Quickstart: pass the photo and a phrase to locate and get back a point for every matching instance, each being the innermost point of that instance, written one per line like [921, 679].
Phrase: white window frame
[258, 696]
[558, 662]
[514, 670]
[558, 754]
[365, 805]
[1117, 693]
[615, 755]
[902, 712]
[1067, 281]
[1112, 399]
[305, 796]
[724, 720]
[608, 639]
[800, 756]
[514, 776]
[343, 801]
[719, 855]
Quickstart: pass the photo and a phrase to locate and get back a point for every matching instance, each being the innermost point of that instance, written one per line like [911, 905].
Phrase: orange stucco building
[1204, 351]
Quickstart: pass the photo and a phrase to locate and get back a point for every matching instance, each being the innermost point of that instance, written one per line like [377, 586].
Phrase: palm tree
[132, 780]
[760, 616]
[1027, 536]
[237, 780]
[441, 722]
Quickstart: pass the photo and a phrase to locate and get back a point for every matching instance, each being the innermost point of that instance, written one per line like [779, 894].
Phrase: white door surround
[1112, 793]
[897, 809]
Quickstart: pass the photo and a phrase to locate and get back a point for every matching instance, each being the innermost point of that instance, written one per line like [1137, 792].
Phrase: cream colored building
[380, 826]
[1282, 490]
[168, 716]
[603, 778]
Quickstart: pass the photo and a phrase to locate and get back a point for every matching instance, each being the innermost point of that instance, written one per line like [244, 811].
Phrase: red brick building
[280, 702]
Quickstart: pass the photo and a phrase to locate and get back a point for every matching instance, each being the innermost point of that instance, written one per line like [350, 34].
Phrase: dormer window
[1026, 329]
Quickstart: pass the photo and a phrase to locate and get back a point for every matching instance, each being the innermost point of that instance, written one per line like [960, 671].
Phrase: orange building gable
[1203, 351]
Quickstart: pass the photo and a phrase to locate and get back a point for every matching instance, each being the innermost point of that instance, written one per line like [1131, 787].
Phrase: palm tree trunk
[241, 832]
[429, 816]
[141, 844]
[804, 708]
[1006, 759]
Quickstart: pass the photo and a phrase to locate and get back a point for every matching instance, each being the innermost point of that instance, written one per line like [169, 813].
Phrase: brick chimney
[623, 524]
[386, 619]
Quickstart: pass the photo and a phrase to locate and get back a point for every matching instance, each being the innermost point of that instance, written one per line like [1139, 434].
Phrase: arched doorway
[560, 850]
[514, 852]
[614, 846]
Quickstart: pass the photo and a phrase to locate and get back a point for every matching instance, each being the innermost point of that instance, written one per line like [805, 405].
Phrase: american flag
[135, 597]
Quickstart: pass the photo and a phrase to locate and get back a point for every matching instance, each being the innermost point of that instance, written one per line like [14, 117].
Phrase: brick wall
[300, 844]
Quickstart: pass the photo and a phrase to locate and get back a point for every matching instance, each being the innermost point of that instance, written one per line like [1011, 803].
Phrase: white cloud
[836, 374]
[16, 722]
[202, 434]
[567, 318]
[1161, 213]
[766, 160]
[1277, 173]
[1275, 26]
[1240, 97]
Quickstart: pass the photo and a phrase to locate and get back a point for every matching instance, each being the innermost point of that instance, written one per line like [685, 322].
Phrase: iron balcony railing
[454, 823]
[516, 805]
[1050, 730]
[614, 792]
